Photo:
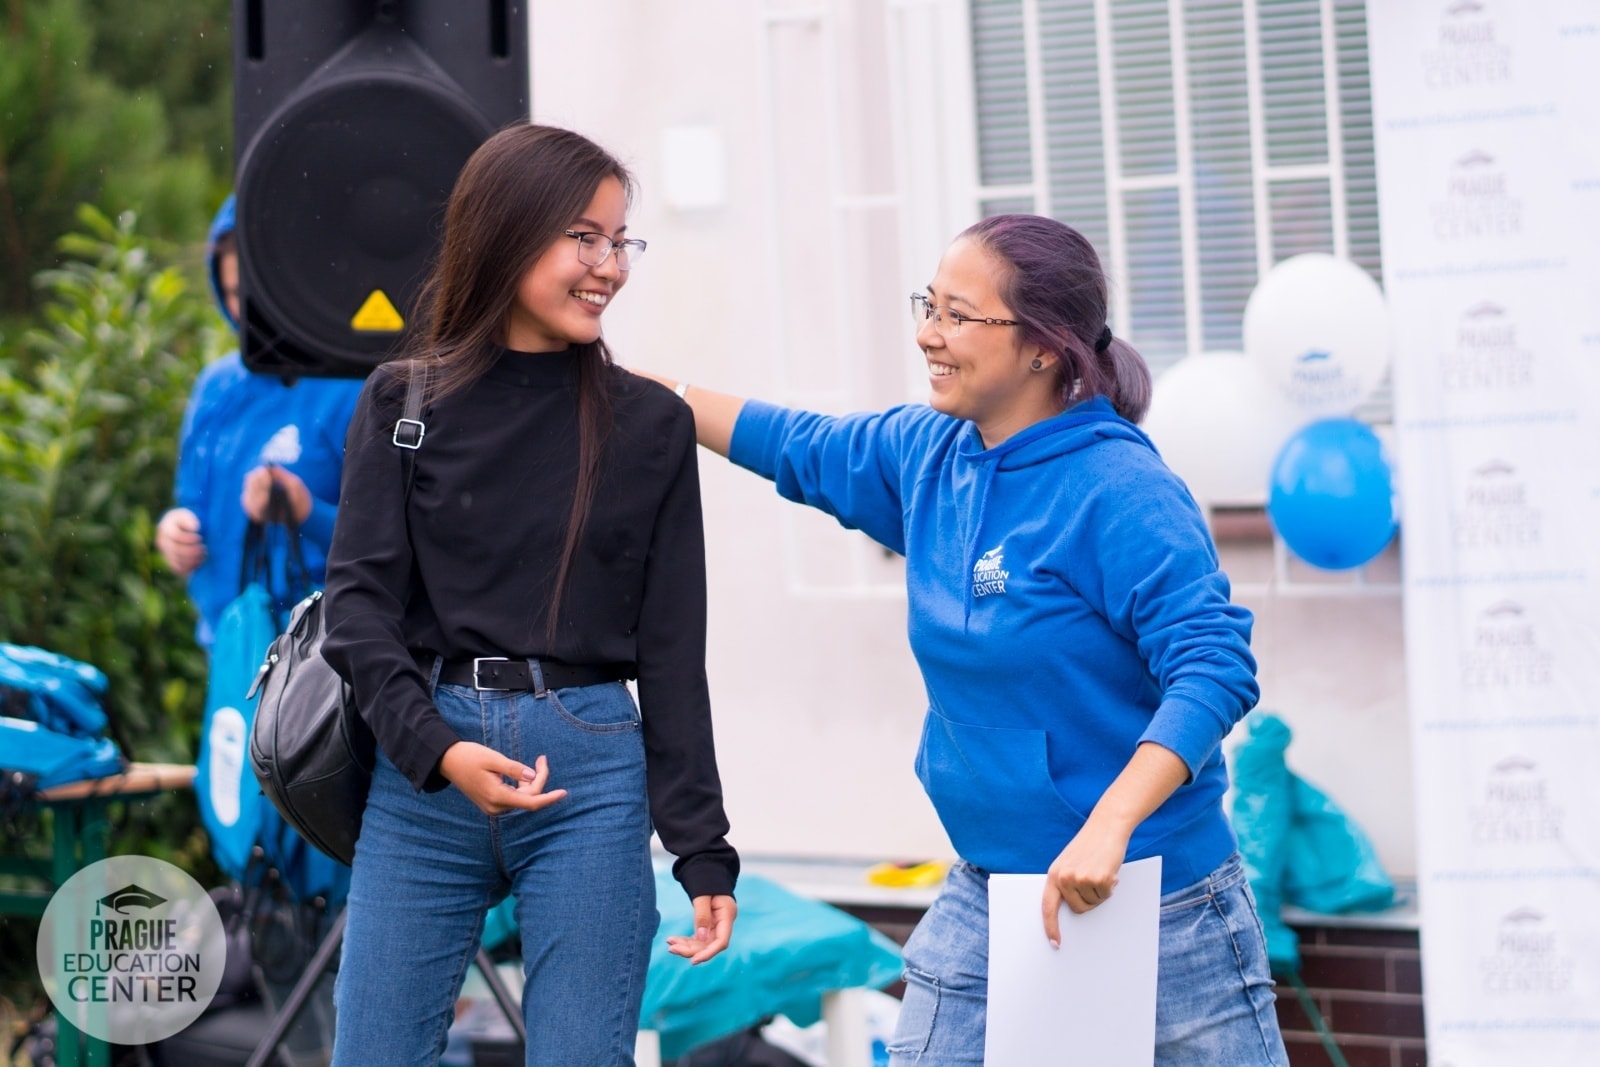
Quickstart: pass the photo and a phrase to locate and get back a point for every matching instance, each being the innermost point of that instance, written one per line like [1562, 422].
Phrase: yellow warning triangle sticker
[378, 315]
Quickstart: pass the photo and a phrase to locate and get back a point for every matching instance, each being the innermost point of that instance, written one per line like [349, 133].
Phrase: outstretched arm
[714, 413]
[853, 467]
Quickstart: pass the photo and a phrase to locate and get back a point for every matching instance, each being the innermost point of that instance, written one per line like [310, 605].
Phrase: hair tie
[1103, 342]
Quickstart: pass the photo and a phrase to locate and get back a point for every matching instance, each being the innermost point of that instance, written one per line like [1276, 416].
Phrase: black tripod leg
[299, 994]
[502, 996]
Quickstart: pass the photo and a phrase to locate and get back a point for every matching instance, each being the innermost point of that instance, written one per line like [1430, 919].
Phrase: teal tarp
[787, 951]
[1299, 847]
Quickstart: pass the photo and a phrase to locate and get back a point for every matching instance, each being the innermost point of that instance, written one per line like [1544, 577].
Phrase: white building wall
[845, 130]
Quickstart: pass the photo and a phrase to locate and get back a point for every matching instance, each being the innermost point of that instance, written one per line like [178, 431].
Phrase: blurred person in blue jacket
[1081, 655]
[243, 433]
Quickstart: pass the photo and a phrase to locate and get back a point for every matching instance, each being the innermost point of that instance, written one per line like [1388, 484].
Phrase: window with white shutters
[1195, 142]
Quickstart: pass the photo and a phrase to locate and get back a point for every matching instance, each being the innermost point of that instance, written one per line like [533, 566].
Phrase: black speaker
[352, 119]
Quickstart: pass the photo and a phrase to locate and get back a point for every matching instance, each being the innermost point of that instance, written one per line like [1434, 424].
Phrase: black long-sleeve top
[467, 567]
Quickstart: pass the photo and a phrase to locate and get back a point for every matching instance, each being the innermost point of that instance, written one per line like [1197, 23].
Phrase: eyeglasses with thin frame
[593, 248]
[947, 320]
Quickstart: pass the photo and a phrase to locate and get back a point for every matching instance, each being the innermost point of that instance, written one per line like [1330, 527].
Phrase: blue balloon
[1332, 494]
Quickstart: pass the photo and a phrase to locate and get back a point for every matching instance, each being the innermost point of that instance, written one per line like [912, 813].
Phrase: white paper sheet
[1090, 1002]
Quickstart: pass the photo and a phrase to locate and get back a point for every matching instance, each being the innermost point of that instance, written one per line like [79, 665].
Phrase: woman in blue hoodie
[242, 434]
[1082, 659]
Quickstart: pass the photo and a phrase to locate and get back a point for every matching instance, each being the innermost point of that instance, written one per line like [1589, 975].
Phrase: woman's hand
[713, 928]
[257, 493]
[1085, 873]
[179, 542]
[481, 772]
[1083, 876]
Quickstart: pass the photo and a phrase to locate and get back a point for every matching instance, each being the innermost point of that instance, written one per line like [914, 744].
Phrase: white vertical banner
[1487, 124]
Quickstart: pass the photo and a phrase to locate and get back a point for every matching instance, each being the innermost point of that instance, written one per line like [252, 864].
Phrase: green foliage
[90, 410]
[181, 52]
[111, 103]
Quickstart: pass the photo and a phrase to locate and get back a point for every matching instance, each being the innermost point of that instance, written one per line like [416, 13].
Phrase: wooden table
[78, 839]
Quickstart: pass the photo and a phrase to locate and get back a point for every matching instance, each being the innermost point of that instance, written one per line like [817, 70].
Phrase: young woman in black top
[549, 546]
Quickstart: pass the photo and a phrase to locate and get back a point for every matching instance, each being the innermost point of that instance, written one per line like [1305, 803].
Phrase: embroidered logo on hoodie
[284, 448]
[989, 574]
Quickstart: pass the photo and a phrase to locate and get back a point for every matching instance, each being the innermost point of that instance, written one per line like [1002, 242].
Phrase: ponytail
[1128, 380]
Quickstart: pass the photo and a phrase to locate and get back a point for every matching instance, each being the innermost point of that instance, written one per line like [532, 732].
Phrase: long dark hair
[510, 204]
[1055, 287]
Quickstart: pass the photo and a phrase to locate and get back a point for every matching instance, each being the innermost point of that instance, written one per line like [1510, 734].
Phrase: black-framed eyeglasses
[593, 248]
[947, 320]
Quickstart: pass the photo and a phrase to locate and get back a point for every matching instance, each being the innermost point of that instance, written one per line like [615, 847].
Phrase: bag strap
[295, 570]
[409, 429]
[255, 564]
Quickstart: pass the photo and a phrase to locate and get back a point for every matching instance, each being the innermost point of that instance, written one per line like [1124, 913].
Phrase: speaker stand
[319, 964]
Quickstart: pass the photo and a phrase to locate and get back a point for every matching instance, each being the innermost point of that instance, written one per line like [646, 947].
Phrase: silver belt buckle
[476, 667]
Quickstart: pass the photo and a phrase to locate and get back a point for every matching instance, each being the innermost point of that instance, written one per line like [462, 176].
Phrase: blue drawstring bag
[231, 804]
[52, 720]
[237, 816]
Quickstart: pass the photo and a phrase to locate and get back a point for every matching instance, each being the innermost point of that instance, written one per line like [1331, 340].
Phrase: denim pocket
[597, 709]
[1186, 898]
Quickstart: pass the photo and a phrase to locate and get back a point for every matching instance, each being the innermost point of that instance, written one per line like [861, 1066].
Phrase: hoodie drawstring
[975, 549]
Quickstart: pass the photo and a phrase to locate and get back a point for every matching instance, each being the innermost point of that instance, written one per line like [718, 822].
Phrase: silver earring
[1038, 364]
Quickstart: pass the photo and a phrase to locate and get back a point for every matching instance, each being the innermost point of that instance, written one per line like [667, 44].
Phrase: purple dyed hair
[1056, 289]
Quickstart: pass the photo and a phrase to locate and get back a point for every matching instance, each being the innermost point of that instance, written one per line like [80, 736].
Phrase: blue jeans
[1213, 996]
[428, 866]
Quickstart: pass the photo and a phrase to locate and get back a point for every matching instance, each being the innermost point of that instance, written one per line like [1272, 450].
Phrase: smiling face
[560, 300]
[985, 375]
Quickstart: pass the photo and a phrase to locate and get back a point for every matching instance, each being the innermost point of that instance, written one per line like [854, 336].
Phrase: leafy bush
[90, 409]
[115, 104]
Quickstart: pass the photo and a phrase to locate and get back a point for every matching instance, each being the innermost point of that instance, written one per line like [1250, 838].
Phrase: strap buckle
[477, 668]
[422, 428]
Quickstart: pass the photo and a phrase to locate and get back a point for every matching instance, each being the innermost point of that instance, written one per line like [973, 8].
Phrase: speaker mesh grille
[343, 193]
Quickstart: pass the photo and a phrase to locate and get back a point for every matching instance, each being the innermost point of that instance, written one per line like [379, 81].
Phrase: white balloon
[1219, 426]
[1317, 329]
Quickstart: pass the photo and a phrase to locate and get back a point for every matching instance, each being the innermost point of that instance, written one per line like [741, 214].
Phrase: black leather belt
[501, 674]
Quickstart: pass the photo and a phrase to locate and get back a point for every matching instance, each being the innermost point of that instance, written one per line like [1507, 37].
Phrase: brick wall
[1367, 983]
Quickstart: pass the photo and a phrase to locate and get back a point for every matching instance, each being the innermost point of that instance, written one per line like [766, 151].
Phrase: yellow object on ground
[903, 875]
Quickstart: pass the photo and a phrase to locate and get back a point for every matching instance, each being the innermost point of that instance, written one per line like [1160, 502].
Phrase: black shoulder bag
[309, 746]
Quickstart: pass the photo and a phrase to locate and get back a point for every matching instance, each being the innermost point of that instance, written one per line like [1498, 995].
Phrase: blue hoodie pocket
[992, 788]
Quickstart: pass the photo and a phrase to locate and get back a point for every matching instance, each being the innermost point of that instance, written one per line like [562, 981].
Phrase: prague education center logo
[131, 950]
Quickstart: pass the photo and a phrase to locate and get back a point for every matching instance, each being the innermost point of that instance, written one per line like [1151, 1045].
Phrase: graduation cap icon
[130, 895]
